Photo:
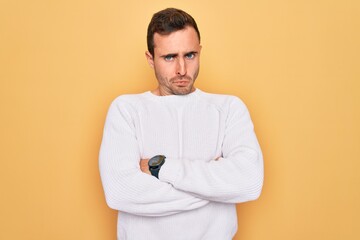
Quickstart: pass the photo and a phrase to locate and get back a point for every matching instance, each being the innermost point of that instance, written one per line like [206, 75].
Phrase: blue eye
[190, 55]
[169, 57]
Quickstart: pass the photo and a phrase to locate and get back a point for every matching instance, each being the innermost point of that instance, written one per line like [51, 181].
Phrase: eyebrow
[169, 55]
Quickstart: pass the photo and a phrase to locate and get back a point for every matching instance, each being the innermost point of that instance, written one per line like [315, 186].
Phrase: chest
[190, 131]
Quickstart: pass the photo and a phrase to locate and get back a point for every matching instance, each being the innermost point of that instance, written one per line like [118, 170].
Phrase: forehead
[182, 40]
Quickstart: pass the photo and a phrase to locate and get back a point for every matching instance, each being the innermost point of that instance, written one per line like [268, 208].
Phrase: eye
[190, 55]
[169, 57]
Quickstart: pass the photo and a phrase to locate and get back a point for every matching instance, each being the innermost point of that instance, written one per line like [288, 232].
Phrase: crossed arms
[183, 185]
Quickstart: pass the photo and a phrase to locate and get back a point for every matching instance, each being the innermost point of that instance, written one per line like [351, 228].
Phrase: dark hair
[167, 21]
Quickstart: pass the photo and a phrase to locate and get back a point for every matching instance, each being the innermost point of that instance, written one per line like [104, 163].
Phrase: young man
[174, 161]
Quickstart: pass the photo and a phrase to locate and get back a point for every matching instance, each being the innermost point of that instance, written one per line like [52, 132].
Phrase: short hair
[167, 21]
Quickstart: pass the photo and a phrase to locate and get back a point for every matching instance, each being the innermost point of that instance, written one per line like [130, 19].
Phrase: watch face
[156, 161]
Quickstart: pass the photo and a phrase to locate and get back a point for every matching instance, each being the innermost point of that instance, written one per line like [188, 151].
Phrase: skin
[144, 166]
[176, 65]
[175, 61]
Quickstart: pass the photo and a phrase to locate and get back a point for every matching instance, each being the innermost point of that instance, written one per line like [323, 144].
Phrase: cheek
[193, 68]
[164, 70]
[162, 75]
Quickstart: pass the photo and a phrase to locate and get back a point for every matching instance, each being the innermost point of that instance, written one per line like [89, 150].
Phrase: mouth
[182, 83]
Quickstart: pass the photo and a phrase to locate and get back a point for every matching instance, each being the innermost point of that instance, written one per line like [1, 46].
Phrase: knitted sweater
[213, 160]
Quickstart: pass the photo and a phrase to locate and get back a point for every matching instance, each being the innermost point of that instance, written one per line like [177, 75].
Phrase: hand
[144, 166]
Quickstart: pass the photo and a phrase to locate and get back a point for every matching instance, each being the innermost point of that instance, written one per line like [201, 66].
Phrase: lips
[182, 81]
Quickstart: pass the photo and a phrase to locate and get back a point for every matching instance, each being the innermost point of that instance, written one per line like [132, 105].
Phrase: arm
[126, 188]
[235, 177]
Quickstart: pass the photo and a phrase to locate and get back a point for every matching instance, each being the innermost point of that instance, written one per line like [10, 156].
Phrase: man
[174, 161]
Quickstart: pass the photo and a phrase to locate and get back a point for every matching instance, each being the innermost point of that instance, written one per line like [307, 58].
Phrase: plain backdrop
[294, 63]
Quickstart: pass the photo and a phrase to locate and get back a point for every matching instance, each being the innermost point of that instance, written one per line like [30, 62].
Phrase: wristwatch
[155, 164]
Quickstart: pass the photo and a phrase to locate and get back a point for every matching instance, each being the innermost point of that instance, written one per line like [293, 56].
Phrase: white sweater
[195, 195]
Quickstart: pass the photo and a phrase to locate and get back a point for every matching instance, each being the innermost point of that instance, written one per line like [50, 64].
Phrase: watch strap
[155, 172]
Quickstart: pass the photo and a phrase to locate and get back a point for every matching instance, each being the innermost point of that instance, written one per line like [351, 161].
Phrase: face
[175, 61]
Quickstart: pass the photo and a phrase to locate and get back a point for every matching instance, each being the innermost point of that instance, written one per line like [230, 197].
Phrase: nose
[181, 67]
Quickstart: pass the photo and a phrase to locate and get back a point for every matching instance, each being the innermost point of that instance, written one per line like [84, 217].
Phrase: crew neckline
[177, 97]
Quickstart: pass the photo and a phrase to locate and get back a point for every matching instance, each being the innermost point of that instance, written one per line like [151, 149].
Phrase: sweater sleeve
[237, 176]
[126, 188]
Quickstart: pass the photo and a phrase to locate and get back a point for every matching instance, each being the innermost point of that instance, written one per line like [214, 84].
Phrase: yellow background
[294, 63]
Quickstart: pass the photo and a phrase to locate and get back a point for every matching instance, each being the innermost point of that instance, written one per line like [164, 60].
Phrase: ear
[149, 58]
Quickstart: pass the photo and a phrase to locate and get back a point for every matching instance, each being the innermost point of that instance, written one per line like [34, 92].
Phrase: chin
[183, 90]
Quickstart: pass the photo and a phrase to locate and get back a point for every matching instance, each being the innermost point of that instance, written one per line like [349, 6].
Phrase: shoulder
[223, 101]
[128, 99]
[126, 104]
